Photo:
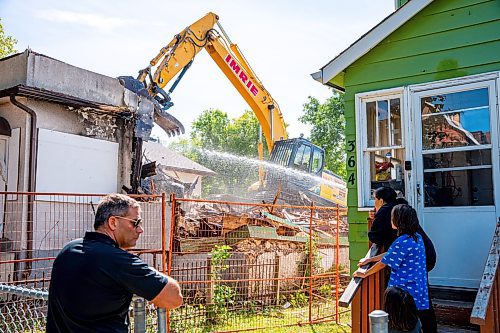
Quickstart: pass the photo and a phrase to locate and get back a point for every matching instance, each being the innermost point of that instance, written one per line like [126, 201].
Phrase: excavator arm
[176, 57]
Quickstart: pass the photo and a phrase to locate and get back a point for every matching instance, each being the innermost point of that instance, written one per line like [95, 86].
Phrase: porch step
[453, 294]
[455, 329]
[453, 307]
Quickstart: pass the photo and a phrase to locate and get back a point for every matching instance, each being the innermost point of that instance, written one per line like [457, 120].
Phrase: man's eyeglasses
[135, 222]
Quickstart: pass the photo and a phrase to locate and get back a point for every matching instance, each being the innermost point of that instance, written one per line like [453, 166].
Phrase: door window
[456, 149]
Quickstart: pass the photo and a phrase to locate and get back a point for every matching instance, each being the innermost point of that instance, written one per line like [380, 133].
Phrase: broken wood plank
[480, 309]
[204, 244]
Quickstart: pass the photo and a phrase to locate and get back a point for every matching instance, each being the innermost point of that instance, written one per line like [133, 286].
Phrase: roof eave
[369, 40]
[63, 99]
[318, 76]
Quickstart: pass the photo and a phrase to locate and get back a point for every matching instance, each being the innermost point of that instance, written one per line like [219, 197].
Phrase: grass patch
[276, 320]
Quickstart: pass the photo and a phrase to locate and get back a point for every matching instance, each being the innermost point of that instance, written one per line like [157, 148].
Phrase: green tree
[243, 135]
[213, 131]
[7, 43]
[328, 130]
[209, 130]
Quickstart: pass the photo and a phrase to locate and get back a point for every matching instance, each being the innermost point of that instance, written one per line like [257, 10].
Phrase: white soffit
[370, 40]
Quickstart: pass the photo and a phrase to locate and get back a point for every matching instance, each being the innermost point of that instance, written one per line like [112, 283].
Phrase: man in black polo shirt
[93, 279]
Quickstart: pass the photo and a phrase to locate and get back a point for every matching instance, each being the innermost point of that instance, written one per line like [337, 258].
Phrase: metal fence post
[379, 321]
[161, 314]
[139, 315]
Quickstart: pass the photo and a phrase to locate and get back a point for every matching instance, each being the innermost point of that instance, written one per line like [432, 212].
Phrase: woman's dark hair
[405, 219]
[401, 201]
[402, 310]
[385, 193]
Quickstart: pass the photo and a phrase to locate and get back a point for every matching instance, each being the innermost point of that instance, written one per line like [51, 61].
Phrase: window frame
[363, 151]
[485, 80]
[317, 152]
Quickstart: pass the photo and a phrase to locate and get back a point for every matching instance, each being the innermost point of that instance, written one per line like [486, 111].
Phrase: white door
[456, 183]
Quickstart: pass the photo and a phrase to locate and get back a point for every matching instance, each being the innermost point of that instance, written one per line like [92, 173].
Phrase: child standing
[402, 311]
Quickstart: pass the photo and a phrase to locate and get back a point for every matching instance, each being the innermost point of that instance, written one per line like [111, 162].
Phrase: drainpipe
[31, 180]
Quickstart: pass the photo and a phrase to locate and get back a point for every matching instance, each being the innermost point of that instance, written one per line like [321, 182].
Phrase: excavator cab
[300, 154]
[303, 163]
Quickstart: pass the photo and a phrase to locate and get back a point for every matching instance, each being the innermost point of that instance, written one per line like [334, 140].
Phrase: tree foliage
[7, 43]
[213, 133]
[328, 130]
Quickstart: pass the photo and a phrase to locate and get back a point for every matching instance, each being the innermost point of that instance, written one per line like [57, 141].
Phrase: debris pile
[201, 226]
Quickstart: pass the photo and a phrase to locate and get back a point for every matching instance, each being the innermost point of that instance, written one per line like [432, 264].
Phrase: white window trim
[491, 81]
[446, 84]
[454, 149]
[363, 167]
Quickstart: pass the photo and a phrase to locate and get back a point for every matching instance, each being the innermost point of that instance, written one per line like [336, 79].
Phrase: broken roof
[170, 160]
[37, 76]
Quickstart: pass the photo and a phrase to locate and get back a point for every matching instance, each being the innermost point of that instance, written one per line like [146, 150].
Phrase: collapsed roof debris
[206, 225]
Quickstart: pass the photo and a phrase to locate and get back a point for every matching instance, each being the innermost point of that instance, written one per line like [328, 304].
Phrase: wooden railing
[364, 296]
[485, 312]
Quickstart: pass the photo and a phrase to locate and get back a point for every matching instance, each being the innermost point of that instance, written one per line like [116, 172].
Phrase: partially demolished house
[87, 126]
[63, 129]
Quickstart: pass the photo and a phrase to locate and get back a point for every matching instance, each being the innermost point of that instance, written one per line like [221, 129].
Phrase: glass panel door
[456, 149]
[455, 180]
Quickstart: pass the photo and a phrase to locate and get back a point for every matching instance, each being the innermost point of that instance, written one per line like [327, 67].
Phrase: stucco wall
[39, 71]
[14, 71]
[56, 117]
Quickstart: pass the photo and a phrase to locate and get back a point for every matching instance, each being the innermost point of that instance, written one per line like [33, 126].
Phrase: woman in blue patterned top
[405, 257]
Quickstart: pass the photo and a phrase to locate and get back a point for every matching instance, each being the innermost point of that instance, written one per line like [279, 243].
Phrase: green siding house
[421, 97]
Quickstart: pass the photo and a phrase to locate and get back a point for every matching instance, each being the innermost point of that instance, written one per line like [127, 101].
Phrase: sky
[284, 42]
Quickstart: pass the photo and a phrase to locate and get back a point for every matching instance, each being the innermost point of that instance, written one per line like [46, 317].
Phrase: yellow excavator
[174, 60]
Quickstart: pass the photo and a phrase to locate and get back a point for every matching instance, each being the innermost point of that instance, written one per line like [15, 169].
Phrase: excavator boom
[178, 54]
[176, 57]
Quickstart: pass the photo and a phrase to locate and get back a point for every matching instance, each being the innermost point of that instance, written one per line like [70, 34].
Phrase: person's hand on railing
[364, 261]
[361, 273]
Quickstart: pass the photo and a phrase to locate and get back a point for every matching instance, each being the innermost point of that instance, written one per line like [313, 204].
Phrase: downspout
[31, 181]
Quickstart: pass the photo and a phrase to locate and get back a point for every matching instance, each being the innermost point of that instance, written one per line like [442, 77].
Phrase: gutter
[318, 76]
[58, 98]
[31, 180]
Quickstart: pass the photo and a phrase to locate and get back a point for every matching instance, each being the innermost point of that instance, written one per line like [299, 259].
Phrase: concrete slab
[46, 74]
[36, 70]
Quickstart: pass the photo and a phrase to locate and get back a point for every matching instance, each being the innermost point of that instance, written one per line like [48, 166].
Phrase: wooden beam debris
[217, 220]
